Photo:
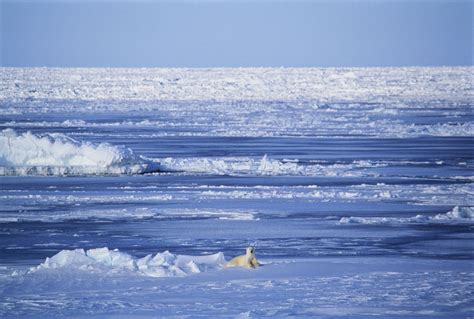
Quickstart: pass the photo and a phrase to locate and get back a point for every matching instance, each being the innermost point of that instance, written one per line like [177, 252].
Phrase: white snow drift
[106, 261]
[57, 154]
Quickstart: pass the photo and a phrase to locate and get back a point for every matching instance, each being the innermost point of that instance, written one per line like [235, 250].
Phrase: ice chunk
[457, 213]
[106, 261]
[57, 154]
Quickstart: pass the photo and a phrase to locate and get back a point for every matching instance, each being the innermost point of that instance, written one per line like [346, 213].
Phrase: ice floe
[264, 166]
[456, 215]
[58, 154]
[140, 213]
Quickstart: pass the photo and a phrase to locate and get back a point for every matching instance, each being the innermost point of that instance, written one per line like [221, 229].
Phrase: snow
[324, 287]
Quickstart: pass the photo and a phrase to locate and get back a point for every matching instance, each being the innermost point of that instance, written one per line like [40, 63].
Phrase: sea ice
[57, 154]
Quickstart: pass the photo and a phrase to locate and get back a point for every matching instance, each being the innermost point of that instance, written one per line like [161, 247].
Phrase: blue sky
[235, 33]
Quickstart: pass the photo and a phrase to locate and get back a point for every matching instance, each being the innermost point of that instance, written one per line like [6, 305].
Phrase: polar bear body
[248, 260]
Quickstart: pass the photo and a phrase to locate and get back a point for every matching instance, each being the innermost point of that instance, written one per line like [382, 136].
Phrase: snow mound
[57, 154]
[456, 215]
[106, 261]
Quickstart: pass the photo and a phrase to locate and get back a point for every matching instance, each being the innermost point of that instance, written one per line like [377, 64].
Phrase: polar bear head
[250, 250]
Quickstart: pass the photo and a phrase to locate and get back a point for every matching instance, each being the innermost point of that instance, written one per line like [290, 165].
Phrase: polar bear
[248, 260]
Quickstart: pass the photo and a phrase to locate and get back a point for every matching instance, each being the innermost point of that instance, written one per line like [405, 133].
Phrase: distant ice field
[356, 183]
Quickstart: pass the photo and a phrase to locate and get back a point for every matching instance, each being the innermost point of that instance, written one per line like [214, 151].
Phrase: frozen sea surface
[123, 191]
